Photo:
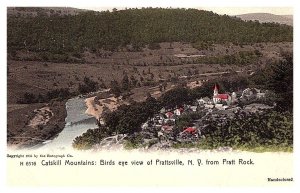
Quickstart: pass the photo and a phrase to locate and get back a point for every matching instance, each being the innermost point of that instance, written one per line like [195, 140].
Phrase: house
[252, 93]
[167, 128]
[191, 108]
[234, 98]
[145, 125]
[169, 121]
[190, 130]
[203, 101]
[249, 93]
[194, 108]
[157, 119]
[178, 111]
[163, 110]
[260, 95]
[219, 106]
[209, 106]
[169, 115]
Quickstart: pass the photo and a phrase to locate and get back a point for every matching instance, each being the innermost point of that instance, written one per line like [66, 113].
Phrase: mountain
[267, 17]
[42, 11]
[135, 27]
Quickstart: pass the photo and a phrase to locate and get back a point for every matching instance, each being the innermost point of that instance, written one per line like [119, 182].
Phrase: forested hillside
[136, 27]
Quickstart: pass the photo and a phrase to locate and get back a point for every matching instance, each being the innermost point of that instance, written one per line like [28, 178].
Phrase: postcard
[150, 96]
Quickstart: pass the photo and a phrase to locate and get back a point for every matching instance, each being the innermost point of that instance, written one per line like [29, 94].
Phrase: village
[185, 124]
[163, 129]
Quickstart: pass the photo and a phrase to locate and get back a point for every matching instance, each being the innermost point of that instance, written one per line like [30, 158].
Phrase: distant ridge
[267, 18]
[38, 11]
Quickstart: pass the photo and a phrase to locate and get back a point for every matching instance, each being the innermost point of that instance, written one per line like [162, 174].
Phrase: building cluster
[220, 105]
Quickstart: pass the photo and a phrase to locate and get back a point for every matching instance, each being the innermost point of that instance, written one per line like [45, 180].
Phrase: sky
[224, 10]
[243, 10]
[229, 7]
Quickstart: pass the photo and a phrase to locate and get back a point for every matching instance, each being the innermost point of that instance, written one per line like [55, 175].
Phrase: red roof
[190, 130]
[169, 114]
[222, 96]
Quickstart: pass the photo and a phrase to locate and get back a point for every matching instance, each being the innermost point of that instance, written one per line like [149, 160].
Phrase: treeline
[87, 86]
[93, 31]
[129, 118]
[240, 58]
[59, 94]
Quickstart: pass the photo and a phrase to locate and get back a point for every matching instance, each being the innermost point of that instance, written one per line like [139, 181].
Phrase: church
[220, 98]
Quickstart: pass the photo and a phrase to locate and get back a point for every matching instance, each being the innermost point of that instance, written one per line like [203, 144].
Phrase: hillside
[135, 27]
[267, 17]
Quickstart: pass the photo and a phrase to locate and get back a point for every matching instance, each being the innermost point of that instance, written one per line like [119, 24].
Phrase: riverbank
[32, 124]
[96, 107]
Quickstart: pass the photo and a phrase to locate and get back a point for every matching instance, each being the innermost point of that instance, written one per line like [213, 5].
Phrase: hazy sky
[225, 10]
[243, 10]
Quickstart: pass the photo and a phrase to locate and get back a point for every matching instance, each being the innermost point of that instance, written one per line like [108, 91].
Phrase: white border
[145, 3]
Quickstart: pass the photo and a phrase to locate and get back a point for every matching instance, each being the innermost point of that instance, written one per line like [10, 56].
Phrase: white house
[178, 111]
[193, 108]
[203, 101]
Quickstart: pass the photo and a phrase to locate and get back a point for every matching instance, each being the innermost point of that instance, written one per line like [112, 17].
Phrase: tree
[28, 98]
[133, 80]
[281, 81]
[115, 88]
[176, 97]
[88, 86]
[125, 82]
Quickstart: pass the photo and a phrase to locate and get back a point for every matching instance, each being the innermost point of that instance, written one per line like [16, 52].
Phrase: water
[77, 122]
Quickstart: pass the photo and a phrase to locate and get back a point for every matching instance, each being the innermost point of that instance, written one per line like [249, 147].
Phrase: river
[77, 122]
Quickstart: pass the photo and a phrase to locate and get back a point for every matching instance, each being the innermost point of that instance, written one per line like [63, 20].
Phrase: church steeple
[216, 91]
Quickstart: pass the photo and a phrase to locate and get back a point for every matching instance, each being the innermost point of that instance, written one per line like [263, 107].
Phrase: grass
[129, 144]
[262, 149]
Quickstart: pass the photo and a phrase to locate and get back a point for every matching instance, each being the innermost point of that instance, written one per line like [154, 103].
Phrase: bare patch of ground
[42, 117]
[194, 84]
[96, 107]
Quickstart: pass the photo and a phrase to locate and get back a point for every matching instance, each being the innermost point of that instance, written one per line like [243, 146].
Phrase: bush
[154, 46]
[176, 97]
[60, 94]
[241, 58]
[89, 138]
[28, 98]
[87, 86]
